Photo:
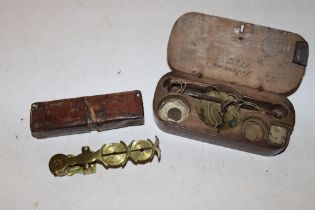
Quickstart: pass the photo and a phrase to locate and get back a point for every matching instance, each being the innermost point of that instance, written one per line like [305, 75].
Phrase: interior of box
[223, 109]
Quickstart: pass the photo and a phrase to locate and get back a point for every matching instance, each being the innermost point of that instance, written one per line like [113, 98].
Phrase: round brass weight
[254, 130]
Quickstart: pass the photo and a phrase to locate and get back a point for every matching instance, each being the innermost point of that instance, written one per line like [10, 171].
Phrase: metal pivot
[112, 155]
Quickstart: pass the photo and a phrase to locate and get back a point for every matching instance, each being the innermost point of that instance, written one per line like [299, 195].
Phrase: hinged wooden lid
[238, 52]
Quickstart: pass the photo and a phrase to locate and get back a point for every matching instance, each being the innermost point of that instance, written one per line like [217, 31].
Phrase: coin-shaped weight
[254, 130]
[59, 165]
[115, 155]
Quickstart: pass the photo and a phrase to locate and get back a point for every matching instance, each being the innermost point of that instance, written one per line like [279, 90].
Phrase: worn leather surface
[85, 114]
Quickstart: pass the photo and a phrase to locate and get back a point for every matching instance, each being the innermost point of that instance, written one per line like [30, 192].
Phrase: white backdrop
[60, 49]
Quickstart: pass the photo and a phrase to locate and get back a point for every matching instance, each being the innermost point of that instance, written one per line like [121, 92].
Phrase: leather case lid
[238, 52]
[85, 114]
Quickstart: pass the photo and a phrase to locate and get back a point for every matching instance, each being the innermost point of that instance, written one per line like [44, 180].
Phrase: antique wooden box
[86, 114]
[229, 83]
